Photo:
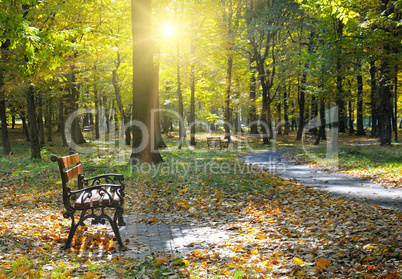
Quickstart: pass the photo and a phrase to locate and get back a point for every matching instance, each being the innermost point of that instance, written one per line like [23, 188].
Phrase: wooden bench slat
[70, 160]
[72, 173]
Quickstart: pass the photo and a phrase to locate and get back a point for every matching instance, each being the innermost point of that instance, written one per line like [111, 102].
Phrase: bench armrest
[96, 187]
[108, 178]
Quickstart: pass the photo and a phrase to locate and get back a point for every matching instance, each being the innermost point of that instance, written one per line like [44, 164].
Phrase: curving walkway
[335, 183]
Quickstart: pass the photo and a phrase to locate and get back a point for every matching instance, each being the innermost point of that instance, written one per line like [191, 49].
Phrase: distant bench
[214, 142]
[93, 194]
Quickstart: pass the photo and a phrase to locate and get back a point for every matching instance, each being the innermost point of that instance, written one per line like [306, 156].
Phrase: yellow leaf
[47, 246]
[298, 261]
[197, 253]
[231, 266]
[254, 252]
[116, 259]
[323, 264]
[161, 259]
[369, 246]
[181, 262]
[217, 195]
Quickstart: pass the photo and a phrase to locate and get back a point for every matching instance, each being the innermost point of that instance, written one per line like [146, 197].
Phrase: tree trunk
[340, 95]
[228, 95]
[314, 114]
[48, 119]
[182, 129]
[192, 106]
[396, 104]
[252, 117]
[266, 118]
[359, 120]
[35, 146]
[125, 116]
[301, 103]
[3, 118]
[76, 133]
[4, 132]
[159, 143]
[374, 100]
[351, 120]
[321, 131]
[279, 110]
[25, 126]
[385, 90]
[97, 111]
[286, 110]
[41, 126]
[143, 85]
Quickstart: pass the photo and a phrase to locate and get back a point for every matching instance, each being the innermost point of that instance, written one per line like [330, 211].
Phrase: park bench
[93, 197]
[214, 142]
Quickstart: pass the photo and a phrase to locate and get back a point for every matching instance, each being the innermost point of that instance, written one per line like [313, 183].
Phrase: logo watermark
[110, 131]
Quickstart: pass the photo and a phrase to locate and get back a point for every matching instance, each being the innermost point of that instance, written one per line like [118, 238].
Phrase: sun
[167, 30]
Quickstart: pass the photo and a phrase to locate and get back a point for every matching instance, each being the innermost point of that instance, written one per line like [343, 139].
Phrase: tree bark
[286, 110]
[41, 126]
[192, 106]
[321, 131]
[3, 118]
[25, 126]
[228, 110]
[76, 133]
[143, 85]
[340, 95]
[48, 119]
[351, 120]
[359, 119]
[124, 115]
[4, 132]
[385, 90]
[182, 129]
[374, 100]
[252, 117]
[159, 143]
[396, 104]
[301, 102]
[35, 145]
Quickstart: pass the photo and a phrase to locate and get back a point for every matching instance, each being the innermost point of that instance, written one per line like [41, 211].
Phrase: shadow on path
[335, 183]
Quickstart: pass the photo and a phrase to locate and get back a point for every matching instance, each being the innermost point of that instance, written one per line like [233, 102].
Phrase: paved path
[162, 234]
[335, 183]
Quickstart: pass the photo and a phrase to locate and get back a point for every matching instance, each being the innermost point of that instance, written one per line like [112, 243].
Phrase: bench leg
[71, 233]
[118, 216]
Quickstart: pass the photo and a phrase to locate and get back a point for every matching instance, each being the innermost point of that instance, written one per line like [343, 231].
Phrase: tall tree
[3, 116]
[143, 85]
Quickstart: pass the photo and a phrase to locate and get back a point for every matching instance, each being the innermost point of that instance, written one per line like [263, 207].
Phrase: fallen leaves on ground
[274, 228]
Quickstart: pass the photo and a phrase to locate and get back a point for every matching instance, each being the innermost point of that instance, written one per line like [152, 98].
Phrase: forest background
[238, 65]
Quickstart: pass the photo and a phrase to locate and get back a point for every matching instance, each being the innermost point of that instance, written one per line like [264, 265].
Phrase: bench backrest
[70, 168]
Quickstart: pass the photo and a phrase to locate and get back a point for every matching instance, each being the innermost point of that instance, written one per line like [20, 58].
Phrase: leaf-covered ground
[275, 228]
